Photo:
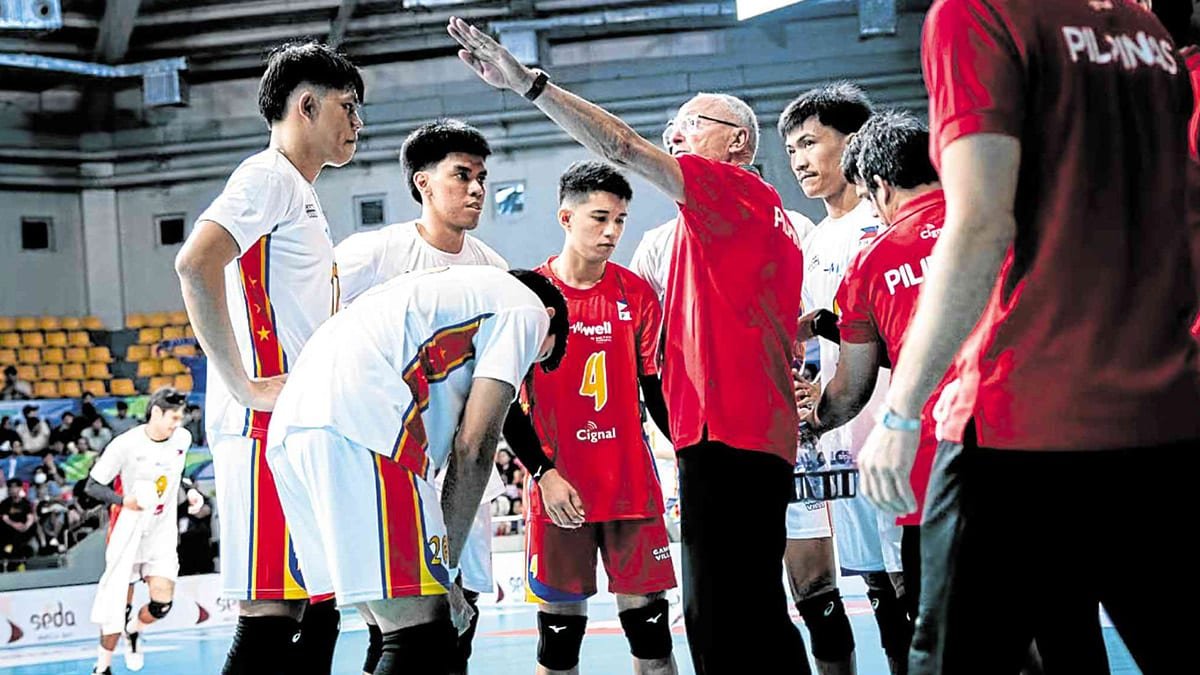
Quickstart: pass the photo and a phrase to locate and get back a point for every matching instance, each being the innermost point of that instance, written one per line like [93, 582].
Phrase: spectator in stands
[15, 389]
[195, 538]
[54, 516]
[97, 434]
[42, 477]
[34, 431]
[122, 422]
[53, 472]
[505, 466]
[16, 449]
[65, 431]
[17, 530]
[193, 421]
[7, 433]
[88, 412]
[81, 446]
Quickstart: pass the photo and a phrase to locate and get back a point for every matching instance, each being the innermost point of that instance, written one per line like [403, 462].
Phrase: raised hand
[491, 62]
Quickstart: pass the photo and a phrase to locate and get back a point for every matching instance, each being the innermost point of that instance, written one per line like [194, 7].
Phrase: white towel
[119, 559]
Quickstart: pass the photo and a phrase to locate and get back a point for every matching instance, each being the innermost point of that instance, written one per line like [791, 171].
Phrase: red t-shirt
[733, 296]
[1084, 342]
[587, 412]
[1191, 55]
[878, 297]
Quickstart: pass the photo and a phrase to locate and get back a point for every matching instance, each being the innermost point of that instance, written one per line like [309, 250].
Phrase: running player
[816, 127]
[593, 483]
[146, 464]
[416, 376]
[1062, 279]
[258, 277]
[445, 164]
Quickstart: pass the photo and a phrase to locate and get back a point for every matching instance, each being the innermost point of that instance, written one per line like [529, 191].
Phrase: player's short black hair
[583, 178]
[894, 145]
[842, 105]
[294, 63]
[429, 144]
[850, 158]
[1176, 17]
[166, 399]
[559, 323]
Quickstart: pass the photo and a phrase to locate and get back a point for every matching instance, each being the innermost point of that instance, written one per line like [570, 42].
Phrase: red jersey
[733, 296]
[1191, 55]
[878, 298]
[1083, 344]
[587, 412]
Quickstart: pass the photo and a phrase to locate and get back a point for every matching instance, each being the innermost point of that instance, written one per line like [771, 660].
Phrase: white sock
[103, 658]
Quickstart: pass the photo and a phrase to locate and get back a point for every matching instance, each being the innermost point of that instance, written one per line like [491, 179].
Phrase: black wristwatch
[538, 86]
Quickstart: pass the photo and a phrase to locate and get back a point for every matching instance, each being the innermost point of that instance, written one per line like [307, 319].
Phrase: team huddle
[360, 390]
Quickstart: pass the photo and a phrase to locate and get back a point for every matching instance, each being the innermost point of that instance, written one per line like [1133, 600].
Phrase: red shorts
[561, 564]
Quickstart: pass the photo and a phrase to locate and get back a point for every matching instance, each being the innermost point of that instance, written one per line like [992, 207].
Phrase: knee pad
[417, 649]
[263, 645]
[159, 609]
[828, 626]
[891, 615]
[559, 639]
[374, 648]
[648, 630]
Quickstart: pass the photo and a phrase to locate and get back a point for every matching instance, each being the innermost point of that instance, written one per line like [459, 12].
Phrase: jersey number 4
[595, 380]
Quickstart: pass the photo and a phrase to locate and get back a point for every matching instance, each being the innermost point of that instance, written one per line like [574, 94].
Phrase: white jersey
[828, 251]
[282, 286]
[368, 259]
[148, 469]
[652, 258]
[392, 371]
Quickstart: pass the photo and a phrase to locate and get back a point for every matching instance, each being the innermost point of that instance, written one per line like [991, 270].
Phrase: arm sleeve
[523, 439]
[253, 202]
[358, 263]
[656, 404]
[102, 492]
[508, 344]
[974, 72]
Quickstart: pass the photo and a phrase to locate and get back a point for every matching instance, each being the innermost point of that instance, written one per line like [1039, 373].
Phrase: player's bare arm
[851, 387]
[595, 128]
[472, 457]
[979, 176]
[201, 268]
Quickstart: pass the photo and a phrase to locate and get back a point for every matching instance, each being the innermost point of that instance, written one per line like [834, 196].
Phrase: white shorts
[808, 520]
[867, 540]
[475, 563]
[365, 528]
[258, 560]
[158, 550]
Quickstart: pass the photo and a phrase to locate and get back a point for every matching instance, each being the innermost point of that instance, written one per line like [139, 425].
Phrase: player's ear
[550, 312]
[564, 218]
[307, 104]
[421, 180]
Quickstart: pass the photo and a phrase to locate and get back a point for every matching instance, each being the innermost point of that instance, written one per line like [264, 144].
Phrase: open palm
[491, 62]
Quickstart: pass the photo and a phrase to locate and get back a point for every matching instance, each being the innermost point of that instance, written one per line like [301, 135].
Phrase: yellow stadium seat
[10, 340]
[30, 356]
[26, 372]
[32, 340]
[73, 371]
[96, 387]
[26, 323]
[92, 323]
[70, 389]
[179, 318]
[98, 371]
[100, 355]
[187, 331]
[135, 321]
[56, 339]
[148, 336]
[183, 382]
[77, 355]
[71, 323]
[136, 353]
[45, 390]
[53, 355]
[79, 338]
[123, 387]
[7, 323]
[157, 383]
[173, 367]
[158, 319]
[49, 323]
[8, 357]
[49, 373]
[149, 368]
[172, 332]
[185, 350]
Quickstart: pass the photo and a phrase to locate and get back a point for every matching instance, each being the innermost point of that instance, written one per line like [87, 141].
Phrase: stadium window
[370, 211]
[170, 229]
[509, 198]
[37, 234]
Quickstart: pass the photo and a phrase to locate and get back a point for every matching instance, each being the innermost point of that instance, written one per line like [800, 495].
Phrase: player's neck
[154, 434]
[841, 202]
[576, 272]
[306, 162]
[440, 235]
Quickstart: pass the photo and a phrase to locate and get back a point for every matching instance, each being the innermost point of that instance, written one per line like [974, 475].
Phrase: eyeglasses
[690, 123]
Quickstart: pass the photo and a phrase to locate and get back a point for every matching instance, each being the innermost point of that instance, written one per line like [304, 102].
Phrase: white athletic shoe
[135, 660]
